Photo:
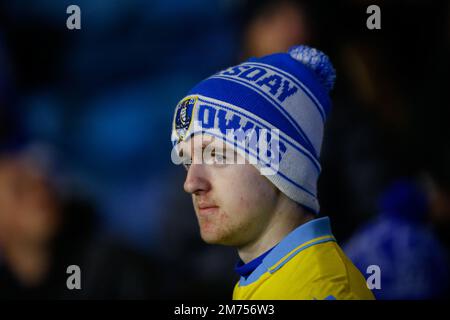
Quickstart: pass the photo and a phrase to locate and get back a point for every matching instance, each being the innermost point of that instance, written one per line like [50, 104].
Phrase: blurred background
[85, 119]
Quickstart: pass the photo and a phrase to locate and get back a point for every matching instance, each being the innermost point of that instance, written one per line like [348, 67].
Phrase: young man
[250, 138]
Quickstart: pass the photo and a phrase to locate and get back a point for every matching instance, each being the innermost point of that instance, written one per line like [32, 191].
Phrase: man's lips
[207, 208]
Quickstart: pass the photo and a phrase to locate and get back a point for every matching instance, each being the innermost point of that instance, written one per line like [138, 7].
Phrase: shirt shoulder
[325, 272]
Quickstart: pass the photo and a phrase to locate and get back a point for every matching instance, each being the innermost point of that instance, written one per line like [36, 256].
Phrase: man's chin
[214, 239]
[211, 239]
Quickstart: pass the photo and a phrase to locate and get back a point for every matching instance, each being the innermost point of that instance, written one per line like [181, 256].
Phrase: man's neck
[284, 221]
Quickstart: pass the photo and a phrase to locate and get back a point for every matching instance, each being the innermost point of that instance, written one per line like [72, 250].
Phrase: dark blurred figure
[275, 26]
[438, 188]
[29, 220]
[385, 108]
[413, 263]
[43, 233]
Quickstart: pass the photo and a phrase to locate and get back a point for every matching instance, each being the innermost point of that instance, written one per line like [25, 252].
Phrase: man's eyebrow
[207, 143]
[191, 145]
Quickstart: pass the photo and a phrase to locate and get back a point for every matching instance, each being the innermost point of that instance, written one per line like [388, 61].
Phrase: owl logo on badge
[183, 116]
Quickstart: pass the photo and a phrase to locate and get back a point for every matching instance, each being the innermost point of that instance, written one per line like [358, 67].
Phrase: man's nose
[196, 179]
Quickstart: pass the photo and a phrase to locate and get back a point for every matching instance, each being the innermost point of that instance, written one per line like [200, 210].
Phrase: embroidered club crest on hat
[183, 117]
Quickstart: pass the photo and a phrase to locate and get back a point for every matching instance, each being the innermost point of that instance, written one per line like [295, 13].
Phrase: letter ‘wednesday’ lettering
[274, 84]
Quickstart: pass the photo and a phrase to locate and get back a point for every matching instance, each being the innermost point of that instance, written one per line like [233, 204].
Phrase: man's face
[234, 203]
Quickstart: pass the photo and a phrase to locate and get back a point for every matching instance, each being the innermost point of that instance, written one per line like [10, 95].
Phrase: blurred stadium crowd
[85, 119]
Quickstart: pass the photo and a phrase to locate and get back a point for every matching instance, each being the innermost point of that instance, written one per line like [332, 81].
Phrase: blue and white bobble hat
[284, 91]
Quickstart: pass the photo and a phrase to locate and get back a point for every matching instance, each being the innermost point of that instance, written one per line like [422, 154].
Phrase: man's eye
[219, 158]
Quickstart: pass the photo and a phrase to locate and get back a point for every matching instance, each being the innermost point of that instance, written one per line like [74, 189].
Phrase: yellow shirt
[307, 264]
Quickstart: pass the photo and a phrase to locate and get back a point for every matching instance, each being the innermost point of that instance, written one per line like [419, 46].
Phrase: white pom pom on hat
[317, 61]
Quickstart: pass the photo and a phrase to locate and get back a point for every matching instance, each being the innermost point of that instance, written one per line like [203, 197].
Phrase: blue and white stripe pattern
[284, 91]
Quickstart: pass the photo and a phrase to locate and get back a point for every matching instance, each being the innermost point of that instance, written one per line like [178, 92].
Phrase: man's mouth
[207, 209]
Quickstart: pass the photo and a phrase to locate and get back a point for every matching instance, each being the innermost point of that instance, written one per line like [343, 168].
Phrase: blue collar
[245, 269]
[311, 233]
